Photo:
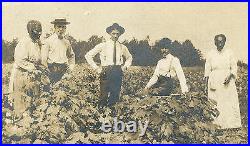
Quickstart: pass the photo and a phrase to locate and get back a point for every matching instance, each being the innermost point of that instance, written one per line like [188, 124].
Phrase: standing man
[58, 54]
[161, 83]
[112, 65]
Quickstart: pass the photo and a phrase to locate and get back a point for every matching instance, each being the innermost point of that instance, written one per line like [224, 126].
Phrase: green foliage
[69, 113]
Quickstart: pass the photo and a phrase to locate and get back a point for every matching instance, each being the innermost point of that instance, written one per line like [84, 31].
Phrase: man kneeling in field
[161, 83]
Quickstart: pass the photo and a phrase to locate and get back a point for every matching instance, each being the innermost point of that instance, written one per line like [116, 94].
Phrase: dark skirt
[163, 87]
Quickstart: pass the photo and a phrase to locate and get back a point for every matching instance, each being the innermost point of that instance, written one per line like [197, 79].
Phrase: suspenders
[168, 74]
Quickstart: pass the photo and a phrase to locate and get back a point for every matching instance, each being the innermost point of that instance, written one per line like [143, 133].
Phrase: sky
[198, 22]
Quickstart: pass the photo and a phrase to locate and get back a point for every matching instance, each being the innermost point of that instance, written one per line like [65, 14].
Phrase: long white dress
[218, 66]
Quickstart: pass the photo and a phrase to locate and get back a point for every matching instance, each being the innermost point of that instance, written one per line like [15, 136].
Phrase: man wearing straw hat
[112, 65]
[58, 54]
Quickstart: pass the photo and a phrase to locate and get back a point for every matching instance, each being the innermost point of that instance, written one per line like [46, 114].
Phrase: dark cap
[115, 26]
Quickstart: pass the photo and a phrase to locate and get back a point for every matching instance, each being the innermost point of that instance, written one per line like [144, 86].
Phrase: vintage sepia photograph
[124, 73]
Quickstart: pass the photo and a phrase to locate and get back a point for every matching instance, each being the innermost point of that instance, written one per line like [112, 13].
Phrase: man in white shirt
[112, 65]
[58, 54]
[161, 83]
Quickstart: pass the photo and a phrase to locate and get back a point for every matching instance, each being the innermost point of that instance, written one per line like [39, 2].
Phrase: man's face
[164, 52]
[115, 34]
[36, 32]
[220, 43]
[60, 29]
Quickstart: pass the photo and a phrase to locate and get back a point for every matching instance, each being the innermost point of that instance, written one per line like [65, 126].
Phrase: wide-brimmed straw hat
[61, 21]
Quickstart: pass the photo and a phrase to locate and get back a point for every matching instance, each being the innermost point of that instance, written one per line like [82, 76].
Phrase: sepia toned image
[147, 73]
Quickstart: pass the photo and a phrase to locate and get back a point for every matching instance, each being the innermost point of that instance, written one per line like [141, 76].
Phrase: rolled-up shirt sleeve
[71, 57]
[128, 57]
[154, 78]
[91, 54]
[21, 57]
[180, 75]
[45, 53]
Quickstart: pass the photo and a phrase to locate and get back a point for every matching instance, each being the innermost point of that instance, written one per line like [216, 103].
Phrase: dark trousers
[163, 87]
[110, 85]
[57, 70]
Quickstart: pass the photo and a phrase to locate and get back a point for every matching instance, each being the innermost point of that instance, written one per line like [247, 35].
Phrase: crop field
[68, 113]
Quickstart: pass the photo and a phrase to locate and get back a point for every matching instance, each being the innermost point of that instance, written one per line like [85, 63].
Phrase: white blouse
[169, 66]
[219, 65]
[223, 60]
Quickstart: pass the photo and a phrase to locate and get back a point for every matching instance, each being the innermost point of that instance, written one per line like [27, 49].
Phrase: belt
[112, 66]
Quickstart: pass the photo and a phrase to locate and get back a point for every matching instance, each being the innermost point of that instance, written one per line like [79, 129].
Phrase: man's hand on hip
[124, 68]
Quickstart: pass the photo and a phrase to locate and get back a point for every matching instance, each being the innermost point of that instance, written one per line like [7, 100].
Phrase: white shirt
[58, 51]
[169, 66]
[106, 50]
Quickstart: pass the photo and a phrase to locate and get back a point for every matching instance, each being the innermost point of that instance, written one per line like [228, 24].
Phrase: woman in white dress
[25, 77]
[221, 72]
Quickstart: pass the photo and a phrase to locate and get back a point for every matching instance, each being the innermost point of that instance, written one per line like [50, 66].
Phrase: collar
[27, 37]
[111, 41]
[54, 36]
[168, 56]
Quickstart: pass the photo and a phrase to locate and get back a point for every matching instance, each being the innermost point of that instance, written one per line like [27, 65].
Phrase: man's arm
[45, 54]
[128, 57]
[91, 54]
[71, 57]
